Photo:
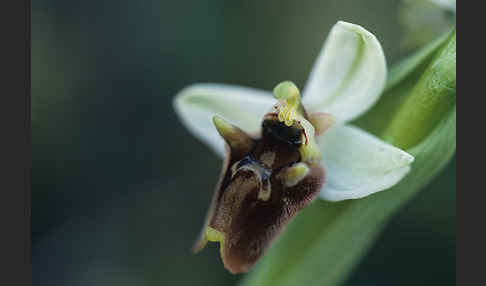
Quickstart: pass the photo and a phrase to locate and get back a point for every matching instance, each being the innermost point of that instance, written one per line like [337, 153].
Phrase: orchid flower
[281, 152]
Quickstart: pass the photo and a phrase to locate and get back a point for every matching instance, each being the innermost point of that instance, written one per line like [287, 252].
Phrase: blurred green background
[116, 202]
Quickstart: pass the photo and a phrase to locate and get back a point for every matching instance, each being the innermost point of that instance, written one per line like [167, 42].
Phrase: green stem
[432, 96]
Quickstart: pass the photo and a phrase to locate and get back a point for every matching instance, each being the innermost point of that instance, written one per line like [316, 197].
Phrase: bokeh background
[120, 188]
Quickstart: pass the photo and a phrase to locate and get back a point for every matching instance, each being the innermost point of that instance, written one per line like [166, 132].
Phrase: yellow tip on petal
[214, 235]
[288, 93]
[236, 138]
[223, 126]
[293, 175]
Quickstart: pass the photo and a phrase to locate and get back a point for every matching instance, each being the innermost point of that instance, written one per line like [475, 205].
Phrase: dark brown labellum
[264, 183]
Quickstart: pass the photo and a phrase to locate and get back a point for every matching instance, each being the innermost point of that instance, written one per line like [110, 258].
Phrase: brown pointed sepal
[239, 142]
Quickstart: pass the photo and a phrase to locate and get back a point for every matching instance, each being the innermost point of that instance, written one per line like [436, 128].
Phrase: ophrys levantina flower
[279, 152]
[266, 180]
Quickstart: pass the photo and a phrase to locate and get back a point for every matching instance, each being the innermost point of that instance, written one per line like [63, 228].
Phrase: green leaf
[323, 243]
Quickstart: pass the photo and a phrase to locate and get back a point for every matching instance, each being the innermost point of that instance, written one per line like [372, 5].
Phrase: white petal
[349, 74]
[359, 164]
[244, 107]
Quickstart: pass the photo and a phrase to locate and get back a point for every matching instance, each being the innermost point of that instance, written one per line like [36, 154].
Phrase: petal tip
[349, 74]
[359, 193]
[360, 164]
[355, 28]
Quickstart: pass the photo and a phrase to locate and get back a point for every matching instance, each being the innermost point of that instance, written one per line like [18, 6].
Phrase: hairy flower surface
[283, 151]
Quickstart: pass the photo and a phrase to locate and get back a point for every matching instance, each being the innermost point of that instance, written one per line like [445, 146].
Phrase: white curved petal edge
[244, 107]
[359, 164]
[349, 74]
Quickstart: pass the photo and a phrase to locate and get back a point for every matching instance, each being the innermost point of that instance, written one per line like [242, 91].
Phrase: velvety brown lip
[249, 222]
